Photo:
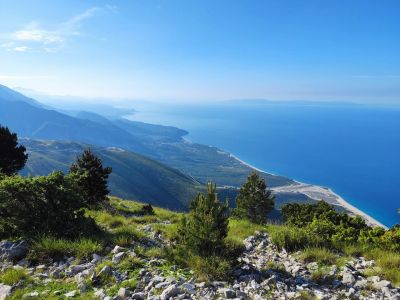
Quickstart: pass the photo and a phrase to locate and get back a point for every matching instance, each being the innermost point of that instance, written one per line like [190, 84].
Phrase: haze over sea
[352, 149]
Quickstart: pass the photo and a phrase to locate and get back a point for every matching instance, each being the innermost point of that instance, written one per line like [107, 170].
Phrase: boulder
[123, 293]
[13, 251]
[348, 278]
[381, 284]
[138, 296]
[71, 294]
[228, 293]
[5, 290]
[117, 249]
[171, 291]
[189, 288]
[117, 258]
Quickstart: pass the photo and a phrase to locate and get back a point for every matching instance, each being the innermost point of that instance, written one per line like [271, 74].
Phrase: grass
[320, 255]
[322, 277]
[13, 276]
[56, 248]
[130, 264]
[293, 238]
[276, 267]
[241, 229]
[125, 235]
[209, 268]
[387, 262]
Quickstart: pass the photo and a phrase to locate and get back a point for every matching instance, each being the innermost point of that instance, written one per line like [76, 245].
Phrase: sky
[333, 50]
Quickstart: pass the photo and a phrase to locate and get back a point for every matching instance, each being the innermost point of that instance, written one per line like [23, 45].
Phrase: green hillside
[134, 176]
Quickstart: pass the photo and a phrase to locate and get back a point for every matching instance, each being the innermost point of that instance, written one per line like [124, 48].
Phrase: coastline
[317, 193]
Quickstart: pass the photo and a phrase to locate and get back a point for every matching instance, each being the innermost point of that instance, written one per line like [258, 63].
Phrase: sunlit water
[353, 149]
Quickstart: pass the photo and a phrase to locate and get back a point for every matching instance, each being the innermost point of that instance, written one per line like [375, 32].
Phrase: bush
[294, 239]
[49, 205]
[147, 209]
[204, 230]
[210, 268]
[391, 239]
[339, 229]
[254, 200]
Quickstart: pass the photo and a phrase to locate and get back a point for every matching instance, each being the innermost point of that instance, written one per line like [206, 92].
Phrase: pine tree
[206, 227]
[12, 155]
[91, 176]
[254, 200]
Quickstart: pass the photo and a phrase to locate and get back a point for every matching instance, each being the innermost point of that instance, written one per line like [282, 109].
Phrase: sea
[353, 149]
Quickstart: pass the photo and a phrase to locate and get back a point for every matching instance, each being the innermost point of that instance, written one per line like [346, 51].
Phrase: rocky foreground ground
[263, 272]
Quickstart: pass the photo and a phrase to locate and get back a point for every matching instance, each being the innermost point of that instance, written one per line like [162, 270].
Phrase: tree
[91, 177]
[254, 200]
[12, 155]
[206, 227]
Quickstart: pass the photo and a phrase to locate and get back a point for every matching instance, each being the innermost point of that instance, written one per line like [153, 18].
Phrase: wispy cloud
[21, 49]
[35, 36]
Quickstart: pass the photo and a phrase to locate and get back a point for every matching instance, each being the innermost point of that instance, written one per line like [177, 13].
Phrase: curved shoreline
[317, 193]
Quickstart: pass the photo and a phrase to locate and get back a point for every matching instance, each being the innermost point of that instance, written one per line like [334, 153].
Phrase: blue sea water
[353, 149]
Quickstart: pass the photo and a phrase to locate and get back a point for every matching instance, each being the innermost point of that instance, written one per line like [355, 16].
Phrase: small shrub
[147, 209]
[204, 230]
[210, 268]
[391, 239]
[293, 239]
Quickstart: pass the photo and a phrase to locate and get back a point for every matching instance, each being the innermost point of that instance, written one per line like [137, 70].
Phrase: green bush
[205, 228]
[339, 229]
[294, 239]
[210, 268]
[50, 205]
[391, 239]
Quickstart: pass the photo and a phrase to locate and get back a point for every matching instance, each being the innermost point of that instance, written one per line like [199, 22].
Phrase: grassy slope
[124, 227]
[134, 176]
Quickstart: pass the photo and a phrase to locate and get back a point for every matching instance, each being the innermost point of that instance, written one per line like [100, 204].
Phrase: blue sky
[334, 50]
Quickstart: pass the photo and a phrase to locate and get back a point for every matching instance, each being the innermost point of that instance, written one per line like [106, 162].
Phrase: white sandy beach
[316, 192]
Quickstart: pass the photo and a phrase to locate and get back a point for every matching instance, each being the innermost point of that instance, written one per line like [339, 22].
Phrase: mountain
[164, 144]
[7, 94]
[134, 176]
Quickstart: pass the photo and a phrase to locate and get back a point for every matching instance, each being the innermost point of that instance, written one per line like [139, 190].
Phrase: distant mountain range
[162, 143]
[151, 163]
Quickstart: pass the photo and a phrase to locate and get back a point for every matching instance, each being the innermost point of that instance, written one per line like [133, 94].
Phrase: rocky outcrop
[13, 251]
[263, 272]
